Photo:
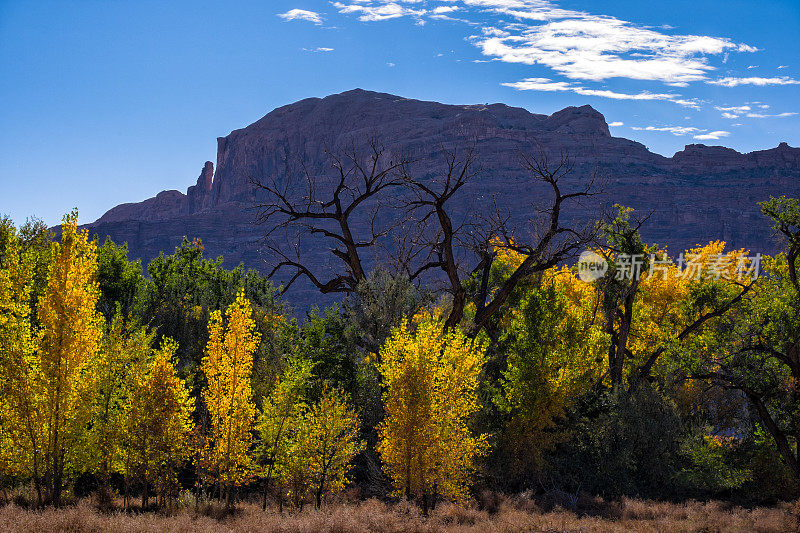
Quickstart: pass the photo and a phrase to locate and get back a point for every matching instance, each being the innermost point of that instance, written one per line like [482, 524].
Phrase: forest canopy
[662, 377]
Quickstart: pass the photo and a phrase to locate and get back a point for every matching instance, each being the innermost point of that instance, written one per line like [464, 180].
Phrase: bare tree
[447, 248]
[437, 237]
[302, 202]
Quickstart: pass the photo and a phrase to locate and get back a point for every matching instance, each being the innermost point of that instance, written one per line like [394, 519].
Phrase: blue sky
[104, 102]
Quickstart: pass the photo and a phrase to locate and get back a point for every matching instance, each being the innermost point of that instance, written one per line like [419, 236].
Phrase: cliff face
[701, 193]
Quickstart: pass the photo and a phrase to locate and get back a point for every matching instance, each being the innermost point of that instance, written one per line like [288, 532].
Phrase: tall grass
[509, 515]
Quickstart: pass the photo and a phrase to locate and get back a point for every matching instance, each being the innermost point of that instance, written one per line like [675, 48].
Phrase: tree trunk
[782, 443]
[319, 495]
[58, 472]
[145, 496]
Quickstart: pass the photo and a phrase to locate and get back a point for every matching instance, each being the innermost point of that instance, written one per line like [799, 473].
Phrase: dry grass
[514, 514]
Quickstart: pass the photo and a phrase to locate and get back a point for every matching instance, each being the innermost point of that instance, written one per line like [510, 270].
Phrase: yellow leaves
[227, 366]
[334, 440]
[280, 413]
[17, 362]
[71, 327]
[158, 418]
[711, 261]
[431, 384]
[69, 337]
[47, 373]
[505, 256]
[321, 444]
[107, 388]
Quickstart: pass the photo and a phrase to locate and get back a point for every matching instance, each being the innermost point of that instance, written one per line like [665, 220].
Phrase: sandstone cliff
[699, 194]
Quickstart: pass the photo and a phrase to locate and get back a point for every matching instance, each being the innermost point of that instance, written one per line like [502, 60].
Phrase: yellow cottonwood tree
[333, 441]
[431, 383]
[20, 425]
[157, 423]
[281, 412]
[70, 333]
[122, 348]
[228, 365]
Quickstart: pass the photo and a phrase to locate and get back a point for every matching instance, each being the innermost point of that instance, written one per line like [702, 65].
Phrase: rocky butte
[699, 194]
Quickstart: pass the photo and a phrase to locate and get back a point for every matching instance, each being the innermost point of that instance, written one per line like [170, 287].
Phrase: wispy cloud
[734, 109]
[696, 133]
[444, 9]
[582, 49]
[302, 14]
[615, 124]
[373, 12]
[675, 130]
[712, 136]
[733, 112]
[546, 84]
[318, 49]
[577, 44]
[735, 82]
[779, 115]
[583, 46]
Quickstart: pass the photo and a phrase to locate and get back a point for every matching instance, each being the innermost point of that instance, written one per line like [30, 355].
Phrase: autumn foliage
[195, 382]
[431, 384]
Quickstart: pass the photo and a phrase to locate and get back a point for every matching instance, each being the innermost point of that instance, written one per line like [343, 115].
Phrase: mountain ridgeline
[701, 193]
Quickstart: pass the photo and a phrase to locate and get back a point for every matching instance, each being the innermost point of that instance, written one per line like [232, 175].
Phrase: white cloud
[615, 124]
[696, 133]
[782, 67]
[390, 64]
[733, 111]
[675, 130]
[591, 47]
[540, 84]
[302, 14]
[779, 115]
[751, 66]
[734, 82]
[376, 12]
[737, 111]
[576, 44]
[318, 49]
[546, 84]
[712, 136]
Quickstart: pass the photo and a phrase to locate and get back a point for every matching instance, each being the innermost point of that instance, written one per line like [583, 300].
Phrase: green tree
[119, 279]
[553, 356]
[755, 349]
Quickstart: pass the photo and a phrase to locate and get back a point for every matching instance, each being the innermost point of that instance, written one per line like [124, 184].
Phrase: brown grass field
[510, 514]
